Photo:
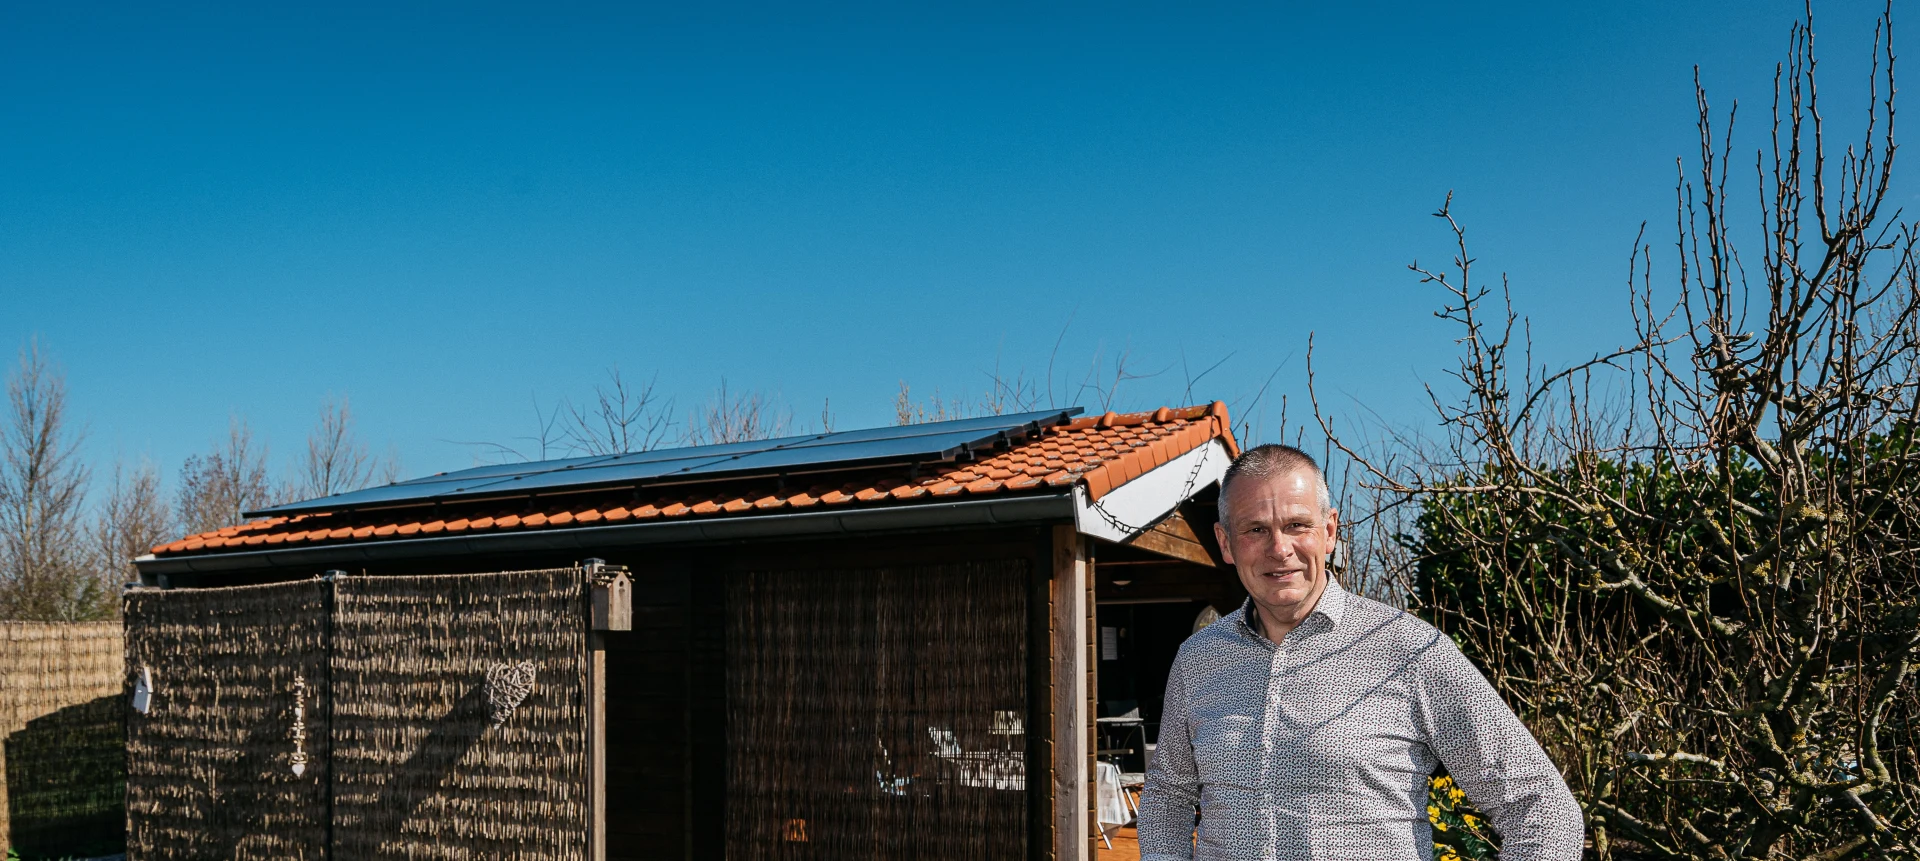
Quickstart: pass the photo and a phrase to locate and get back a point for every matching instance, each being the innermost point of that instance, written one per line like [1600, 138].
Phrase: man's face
[1279, 540]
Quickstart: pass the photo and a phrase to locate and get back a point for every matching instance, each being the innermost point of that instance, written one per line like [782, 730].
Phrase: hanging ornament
[299, 758]
[507, 686]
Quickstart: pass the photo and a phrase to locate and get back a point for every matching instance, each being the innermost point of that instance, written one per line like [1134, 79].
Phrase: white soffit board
[1129, 509]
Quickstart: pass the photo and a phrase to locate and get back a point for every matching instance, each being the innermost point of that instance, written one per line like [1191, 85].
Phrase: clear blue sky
[446, 212]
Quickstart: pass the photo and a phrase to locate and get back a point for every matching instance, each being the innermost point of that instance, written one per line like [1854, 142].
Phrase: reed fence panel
[210, 766]
[62, 756]
[876, 715]
[421, 770]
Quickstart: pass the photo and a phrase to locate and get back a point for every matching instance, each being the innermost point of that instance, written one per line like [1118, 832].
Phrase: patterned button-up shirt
[1321, 746]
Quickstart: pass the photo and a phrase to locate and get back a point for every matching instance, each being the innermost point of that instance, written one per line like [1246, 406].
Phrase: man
[1305, 725]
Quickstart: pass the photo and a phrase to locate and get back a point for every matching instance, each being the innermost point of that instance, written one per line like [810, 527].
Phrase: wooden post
[609, 608]
[1092, 700]
[1072, 725]
[597, 747]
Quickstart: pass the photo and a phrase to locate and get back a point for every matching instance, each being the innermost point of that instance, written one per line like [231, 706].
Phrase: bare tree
[216, 487]
[1106, 387]
[390, 466]
[908, 411]
[43, 573]
[1690, 563]
[335, 461]
[736, 417]
[622, 418]
[1005, 393]
[132, 521]
[547, 441]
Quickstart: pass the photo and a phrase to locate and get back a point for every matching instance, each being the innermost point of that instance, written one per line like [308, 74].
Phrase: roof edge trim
[1134, 507]
[987, 512]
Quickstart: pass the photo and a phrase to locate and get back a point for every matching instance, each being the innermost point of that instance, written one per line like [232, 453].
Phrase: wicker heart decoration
[507, 687]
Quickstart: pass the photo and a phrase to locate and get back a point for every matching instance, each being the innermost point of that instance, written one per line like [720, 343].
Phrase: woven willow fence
[876, 715]
[361, 718]
[62, 771]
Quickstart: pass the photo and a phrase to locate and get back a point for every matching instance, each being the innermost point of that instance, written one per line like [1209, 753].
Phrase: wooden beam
[1072, 725]
[1039, 782]
[1091, 653]
[597, 746]
[609, 608]
[613, 602]
[1173, 536]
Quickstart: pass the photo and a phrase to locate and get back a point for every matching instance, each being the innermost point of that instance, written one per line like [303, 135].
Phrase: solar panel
[930, 442]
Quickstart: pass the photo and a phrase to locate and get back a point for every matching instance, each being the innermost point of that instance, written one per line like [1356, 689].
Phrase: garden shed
[893, 643]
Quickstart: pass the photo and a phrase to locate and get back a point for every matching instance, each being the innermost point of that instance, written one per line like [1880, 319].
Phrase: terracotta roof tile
[1100, 452]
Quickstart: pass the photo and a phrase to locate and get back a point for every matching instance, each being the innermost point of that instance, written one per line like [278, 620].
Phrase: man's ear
[1226, 545]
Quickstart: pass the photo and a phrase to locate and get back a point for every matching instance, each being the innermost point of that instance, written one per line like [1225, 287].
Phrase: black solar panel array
[923, 443]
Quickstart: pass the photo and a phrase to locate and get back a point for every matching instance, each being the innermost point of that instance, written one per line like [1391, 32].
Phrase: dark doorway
[1137, 645]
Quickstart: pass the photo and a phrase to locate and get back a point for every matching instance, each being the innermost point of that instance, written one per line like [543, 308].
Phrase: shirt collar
[1332, 607]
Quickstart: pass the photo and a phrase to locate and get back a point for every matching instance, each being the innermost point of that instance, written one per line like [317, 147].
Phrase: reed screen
[421, 770]
[210, 764]
[62, 739]
[369, 718]
[878, 714]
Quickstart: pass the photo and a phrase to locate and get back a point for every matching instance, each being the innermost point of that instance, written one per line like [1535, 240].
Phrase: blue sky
[447, 212]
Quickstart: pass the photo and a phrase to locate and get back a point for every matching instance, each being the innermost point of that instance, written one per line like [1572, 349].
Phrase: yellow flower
[1440, 825]
[1472, 821]
[1433, 813]
[1456, 795]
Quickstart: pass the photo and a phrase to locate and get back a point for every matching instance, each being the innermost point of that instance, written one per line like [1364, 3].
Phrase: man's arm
[1173, 784]
[1496, 761]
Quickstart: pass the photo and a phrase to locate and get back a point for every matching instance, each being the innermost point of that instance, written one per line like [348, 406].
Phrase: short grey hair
[1267, 461]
